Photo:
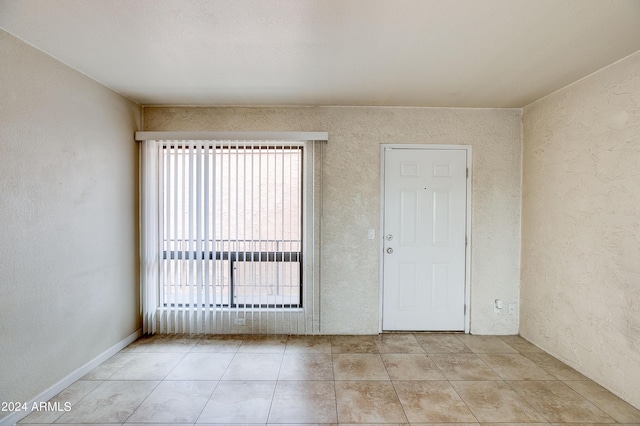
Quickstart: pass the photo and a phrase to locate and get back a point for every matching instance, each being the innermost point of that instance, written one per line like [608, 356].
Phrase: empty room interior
[320, 212]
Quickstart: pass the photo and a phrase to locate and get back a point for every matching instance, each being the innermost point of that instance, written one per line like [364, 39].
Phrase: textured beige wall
[350, 281]
[580, 287]
[68, 209]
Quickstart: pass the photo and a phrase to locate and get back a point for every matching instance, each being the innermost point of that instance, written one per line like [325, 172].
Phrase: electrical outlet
[239, 321]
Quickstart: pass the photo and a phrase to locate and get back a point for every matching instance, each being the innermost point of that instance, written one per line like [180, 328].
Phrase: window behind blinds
[236, 236]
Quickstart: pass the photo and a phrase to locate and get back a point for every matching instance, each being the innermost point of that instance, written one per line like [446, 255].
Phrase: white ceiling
[465, 53]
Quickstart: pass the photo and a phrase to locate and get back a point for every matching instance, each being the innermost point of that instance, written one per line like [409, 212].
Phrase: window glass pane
[267, 284]
[223, 206]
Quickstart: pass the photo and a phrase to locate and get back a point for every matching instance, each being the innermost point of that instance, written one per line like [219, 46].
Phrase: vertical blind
[230, 236]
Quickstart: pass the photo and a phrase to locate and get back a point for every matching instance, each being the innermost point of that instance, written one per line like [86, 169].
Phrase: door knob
[389, 237]
[389, 250]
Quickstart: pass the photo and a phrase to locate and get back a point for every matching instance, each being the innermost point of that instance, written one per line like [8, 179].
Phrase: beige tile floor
[391, 379]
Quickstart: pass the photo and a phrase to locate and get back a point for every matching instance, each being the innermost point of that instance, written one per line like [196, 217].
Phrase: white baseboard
[67, 381]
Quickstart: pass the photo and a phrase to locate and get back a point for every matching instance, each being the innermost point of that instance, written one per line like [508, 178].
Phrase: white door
[425, 208]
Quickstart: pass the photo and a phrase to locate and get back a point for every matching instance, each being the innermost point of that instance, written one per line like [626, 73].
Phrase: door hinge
[465, 241]
[467, 173]
[465, 309]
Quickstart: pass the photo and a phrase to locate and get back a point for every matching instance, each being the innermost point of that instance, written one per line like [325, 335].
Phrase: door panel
[424, 249]
[408, 217]
[408, 278]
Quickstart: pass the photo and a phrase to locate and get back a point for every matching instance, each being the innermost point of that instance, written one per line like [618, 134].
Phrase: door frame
[467, 274]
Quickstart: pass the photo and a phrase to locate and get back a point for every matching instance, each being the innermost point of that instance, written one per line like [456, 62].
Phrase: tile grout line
[589, 399]
[448, 381]
[159, 383]
[275, 387]
[395, 390]
[557, 378]
[463, 401]
[333, 374]
[453, 387]
[518, 393]
[214, 388]
[502, 379]
[508, 383]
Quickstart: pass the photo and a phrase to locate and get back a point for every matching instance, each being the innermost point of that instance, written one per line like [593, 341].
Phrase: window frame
[220, 320]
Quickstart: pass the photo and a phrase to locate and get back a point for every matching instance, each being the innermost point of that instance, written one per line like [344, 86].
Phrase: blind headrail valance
[233, 136]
